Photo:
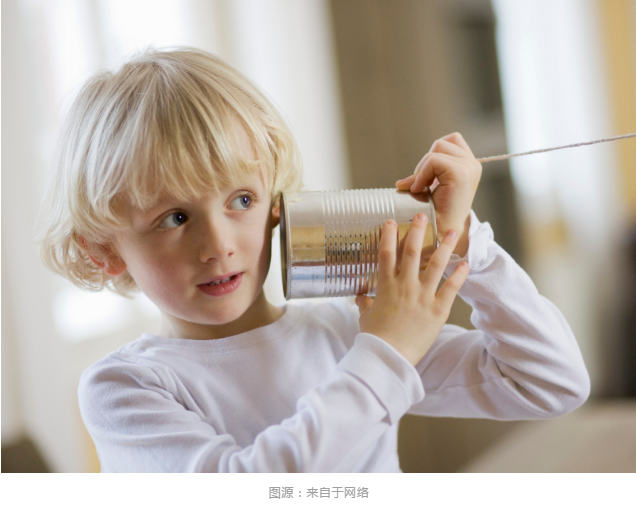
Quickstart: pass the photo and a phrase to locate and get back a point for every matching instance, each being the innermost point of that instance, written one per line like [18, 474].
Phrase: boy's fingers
[457, 139]
[437, 264]
[387, 262]
[450, 147]
[433, 165]
[452, 285]
[447, 147]
[405, 183]
[412, 250]
[424, 173]
[364, 303]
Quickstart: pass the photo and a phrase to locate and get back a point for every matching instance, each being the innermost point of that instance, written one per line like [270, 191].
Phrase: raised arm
[522, 361]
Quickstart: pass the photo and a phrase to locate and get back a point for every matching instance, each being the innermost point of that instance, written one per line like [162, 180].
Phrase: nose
[216, 240]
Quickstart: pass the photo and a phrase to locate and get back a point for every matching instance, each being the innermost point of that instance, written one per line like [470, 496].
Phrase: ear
[104, 257]
[276, 211]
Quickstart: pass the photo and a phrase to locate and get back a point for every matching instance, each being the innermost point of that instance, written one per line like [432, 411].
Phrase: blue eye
[173, 220]
[241, 202]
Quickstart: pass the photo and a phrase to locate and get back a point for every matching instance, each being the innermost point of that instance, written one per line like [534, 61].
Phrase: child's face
[203, 262]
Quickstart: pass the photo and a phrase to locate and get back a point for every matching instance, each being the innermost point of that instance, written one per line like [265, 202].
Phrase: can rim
[285, 246]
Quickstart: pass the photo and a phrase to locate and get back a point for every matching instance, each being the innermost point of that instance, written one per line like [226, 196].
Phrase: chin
[218, 317]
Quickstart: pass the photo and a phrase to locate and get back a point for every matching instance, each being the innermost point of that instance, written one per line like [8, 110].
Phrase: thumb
[364, 303]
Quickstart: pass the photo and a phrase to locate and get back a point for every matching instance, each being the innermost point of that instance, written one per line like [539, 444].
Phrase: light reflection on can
[330, 239]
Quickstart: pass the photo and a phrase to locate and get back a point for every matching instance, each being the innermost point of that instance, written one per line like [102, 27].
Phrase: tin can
[330, 239]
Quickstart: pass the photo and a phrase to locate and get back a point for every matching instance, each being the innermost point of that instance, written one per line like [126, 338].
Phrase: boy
[167, 182]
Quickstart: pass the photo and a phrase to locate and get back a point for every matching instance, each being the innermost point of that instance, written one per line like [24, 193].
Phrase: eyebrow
[147, 216]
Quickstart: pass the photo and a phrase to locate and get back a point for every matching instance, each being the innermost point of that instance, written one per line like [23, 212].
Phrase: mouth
[222, 285]
[223, 281]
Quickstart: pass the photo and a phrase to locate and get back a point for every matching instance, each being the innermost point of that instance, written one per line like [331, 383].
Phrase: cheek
[161, 280]
[266, 247]
[152, 269]
[259, 243]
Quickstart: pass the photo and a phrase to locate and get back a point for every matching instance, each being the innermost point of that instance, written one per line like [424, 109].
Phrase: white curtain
[554, 94]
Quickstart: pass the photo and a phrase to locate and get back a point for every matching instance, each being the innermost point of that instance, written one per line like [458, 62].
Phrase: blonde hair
[163, 124]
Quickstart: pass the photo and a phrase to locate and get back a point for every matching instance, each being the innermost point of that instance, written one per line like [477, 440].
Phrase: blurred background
[367, 86]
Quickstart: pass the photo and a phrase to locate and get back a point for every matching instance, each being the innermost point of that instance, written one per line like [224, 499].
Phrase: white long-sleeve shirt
[312, 393]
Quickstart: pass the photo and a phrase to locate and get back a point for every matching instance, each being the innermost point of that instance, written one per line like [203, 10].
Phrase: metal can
[330, 239]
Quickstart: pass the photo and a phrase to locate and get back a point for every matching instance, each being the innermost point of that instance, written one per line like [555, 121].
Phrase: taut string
[506, 156]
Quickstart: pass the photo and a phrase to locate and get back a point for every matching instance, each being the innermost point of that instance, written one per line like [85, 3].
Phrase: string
[506, 156]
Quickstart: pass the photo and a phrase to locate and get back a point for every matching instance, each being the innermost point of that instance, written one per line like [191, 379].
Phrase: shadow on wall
[23, 457]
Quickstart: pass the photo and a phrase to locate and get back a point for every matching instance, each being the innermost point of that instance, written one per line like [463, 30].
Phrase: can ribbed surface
[330, 239]
[353, 220]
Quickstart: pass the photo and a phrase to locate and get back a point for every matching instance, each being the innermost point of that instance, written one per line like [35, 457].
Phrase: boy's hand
[408, 312]
[452, 163]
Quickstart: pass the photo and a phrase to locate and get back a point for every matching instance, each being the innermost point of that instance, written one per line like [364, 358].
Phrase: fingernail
[421, 217]
[451, 233]
[391, 222]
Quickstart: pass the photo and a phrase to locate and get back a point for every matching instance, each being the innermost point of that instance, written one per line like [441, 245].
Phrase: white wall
[49, 48]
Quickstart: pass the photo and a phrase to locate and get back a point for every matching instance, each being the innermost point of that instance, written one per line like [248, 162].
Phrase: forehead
[192, 173]
[242, 141]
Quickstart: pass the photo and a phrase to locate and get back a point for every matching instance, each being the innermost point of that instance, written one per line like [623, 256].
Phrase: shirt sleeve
[521, 362]
[138, 425]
